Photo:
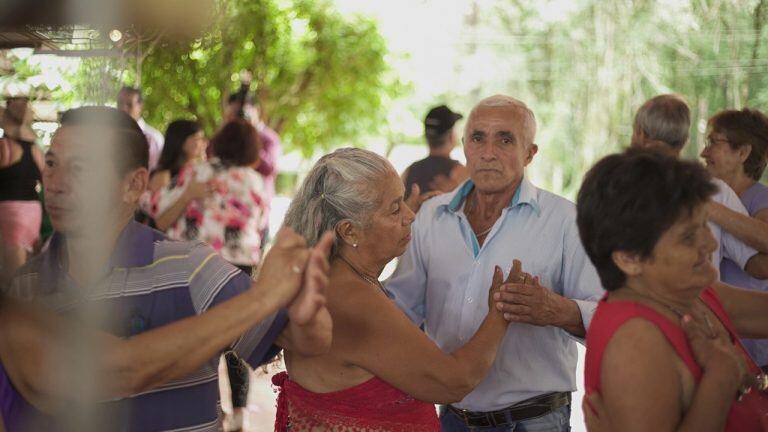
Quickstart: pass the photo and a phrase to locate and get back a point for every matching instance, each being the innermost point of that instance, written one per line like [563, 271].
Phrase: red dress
[371, 406]
[749, 414]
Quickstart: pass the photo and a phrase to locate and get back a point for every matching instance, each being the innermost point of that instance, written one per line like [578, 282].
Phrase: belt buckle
[463, 414]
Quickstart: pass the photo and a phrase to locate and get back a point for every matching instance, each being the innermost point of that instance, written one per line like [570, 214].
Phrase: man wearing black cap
[436, 172]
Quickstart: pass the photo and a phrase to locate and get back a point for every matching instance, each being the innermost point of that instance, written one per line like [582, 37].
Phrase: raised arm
[159, 180]
[757, 266]
[753, 231]
[269, 153]
[388, 345]
[180, 199]
[746, 308]
[310, 328]
[29, 337]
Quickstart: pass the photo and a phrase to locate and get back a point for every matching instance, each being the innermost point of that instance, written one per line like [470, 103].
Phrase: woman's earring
[354, 245]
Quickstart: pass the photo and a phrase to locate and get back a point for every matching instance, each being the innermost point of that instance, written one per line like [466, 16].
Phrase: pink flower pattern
[232, 220]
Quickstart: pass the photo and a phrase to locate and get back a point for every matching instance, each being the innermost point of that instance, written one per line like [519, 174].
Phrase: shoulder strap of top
[616, 313]
[712, 300]
[27, 155]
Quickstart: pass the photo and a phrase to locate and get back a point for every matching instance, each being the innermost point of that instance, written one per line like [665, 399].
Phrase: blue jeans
[558, 420]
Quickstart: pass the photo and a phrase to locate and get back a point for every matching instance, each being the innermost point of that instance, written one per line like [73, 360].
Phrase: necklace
[363, 276]
[484, 232]
[710, 328]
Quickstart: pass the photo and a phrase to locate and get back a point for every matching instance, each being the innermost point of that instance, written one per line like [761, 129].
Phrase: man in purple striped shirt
[158, 312]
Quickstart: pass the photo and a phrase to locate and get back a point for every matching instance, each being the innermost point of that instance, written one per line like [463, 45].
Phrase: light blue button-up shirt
[443, 278]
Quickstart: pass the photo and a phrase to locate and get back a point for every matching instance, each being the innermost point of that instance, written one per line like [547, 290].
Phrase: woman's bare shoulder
[356, 304]
[640, 355]
[641, 377]
[638, 336]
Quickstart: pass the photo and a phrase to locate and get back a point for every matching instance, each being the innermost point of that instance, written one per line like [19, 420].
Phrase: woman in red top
[662, 352]
[382, 372]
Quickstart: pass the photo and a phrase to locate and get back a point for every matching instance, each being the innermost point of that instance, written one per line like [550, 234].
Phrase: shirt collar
[134, 248]
[525, 194]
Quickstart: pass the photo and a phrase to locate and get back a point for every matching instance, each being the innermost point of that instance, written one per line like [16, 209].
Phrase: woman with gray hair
[382, 372]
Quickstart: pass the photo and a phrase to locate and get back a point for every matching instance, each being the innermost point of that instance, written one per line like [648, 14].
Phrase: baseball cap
[440, 120]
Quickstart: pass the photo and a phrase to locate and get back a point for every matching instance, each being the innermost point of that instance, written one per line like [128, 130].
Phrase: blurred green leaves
[585, 72]
[320, 77]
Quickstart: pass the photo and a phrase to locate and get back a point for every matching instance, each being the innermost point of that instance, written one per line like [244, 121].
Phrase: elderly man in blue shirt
[494, 217]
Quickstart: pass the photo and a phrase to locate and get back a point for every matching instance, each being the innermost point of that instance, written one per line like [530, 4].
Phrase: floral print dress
[232, 220]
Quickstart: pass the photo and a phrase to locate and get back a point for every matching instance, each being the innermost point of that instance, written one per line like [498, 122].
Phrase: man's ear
[532, 150]
[134, 184]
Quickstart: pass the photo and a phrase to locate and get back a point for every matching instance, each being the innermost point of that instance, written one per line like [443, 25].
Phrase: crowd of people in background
[659, 268]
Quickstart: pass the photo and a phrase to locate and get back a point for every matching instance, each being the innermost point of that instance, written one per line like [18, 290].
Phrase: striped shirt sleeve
[212, 281]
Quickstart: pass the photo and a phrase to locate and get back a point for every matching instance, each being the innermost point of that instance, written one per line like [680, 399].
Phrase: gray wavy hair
[341, 185]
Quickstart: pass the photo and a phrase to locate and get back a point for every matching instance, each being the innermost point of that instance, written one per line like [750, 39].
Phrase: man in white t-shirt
[662, 124]
[131, 101]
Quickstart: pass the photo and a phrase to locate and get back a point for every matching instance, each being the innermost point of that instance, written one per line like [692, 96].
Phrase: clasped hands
[296, 276]
[521, 298]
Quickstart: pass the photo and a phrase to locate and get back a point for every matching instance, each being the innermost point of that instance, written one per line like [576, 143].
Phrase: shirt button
[469, 300]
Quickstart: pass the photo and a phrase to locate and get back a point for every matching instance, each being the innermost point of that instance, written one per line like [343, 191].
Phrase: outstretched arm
[30, 336]
[746, 308]
[753, 231]
[391, 347]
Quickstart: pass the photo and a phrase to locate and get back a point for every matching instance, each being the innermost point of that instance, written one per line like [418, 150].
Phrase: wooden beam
[96, 52]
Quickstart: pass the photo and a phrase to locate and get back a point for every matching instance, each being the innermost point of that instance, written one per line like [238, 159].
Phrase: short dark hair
[665, 118]
[237, 143]
[133, 90]
[131, 147]
[741, 128]
[628, 200]
[172, 157]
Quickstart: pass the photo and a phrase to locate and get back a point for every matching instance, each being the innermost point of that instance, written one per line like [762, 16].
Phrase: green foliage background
[325, 80]
[585, 75]
[321, 79]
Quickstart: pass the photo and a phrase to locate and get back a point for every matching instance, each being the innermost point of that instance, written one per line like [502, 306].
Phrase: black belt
[521, 411]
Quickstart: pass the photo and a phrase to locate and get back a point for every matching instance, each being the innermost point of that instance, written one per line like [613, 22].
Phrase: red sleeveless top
[371, 406]
[749, 414]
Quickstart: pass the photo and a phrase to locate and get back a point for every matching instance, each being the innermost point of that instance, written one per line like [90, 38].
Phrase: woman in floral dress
[219, 201]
